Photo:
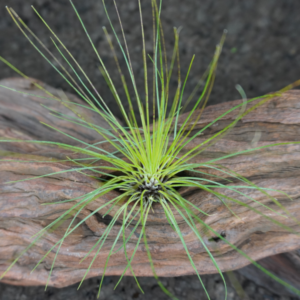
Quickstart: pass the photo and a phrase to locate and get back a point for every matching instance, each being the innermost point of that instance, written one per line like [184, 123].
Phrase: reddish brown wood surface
[22, 215]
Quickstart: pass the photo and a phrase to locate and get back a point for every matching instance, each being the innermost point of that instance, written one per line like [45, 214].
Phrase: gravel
[184, 287]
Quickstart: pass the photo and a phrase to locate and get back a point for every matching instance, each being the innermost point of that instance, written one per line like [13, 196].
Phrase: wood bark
[22, 213]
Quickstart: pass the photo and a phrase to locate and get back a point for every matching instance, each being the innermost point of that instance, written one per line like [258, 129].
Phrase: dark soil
[261, 53]
[185, 287]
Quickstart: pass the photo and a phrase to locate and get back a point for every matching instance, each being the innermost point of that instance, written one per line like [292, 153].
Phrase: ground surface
[261, 53]
[187, 287]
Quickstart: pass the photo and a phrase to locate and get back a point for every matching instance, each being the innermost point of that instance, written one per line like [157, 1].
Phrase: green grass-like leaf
[148, 158]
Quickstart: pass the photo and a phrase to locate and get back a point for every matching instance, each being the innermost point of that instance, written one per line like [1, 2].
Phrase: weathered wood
[286, 266]
[22, 213]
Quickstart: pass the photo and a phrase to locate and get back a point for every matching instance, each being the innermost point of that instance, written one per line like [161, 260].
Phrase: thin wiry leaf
[148, 160]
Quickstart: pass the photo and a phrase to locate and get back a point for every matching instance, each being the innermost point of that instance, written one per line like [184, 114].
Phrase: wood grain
[22, 213]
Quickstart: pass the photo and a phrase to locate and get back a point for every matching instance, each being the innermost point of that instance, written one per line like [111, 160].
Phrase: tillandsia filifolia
[148, 165]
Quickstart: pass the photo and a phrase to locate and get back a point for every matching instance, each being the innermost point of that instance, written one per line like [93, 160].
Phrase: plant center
[150, 188]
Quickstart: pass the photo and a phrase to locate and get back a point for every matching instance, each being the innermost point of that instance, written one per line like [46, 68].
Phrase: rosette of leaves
[151, 163]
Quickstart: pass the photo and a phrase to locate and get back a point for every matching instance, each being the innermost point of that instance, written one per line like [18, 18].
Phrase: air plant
[147, 165]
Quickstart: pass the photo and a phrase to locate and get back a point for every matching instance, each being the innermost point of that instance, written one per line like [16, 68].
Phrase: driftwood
[285, 266]
[22, 215]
